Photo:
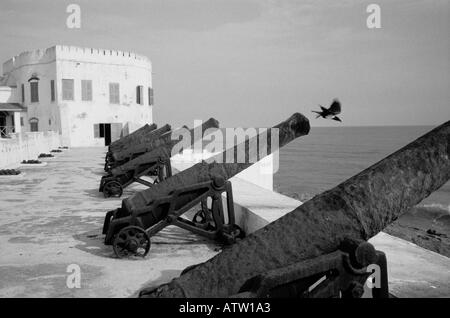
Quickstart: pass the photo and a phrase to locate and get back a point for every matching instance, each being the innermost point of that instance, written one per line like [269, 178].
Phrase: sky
[255, 62]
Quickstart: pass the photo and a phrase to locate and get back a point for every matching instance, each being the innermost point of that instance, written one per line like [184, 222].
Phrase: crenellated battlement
[75, 53]
[30, 57]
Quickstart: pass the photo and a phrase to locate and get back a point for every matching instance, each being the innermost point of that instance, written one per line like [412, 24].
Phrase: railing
[6, 130]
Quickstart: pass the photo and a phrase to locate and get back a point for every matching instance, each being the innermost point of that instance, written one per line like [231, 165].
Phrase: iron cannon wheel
[199, 217]
[131, 241]
[237, 232]
[232, 234]
[112, 189]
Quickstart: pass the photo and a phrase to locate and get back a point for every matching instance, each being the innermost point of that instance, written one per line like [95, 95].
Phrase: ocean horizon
[330, 155]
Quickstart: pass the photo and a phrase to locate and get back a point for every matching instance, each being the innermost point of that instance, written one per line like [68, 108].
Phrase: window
[52, 90]
[102, 130]
[67, 89]
[86, 90]
[99, 130]
[34, 124]
[34, 89]
[140, 95]
[21, 121]
[23, 94]
[49, 122]
[96, 131]
[114, 93]
[150, 96]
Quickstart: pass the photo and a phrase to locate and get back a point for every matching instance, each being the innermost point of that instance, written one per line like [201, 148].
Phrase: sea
[329, 155]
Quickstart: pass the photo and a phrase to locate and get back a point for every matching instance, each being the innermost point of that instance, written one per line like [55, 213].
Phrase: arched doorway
[3, 131]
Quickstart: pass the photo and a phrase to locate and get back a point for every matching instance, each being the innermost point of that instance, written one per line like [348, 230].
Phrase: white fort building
[90, 97]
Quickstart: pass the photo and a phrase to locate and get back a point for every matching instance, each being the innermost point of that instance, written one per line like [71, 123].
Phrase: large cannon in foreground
[154, 163]
[355, 210]
[147, 212]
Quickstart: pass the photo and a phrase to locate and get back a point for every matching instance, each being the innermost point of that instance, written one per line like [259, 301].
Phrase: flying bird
[331, 112]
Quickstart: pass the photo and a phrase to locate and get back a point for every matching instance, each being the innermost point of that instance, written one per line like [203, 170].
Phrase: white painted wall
[8, 95]
[18, 71]
[75, 120]
[127, 69]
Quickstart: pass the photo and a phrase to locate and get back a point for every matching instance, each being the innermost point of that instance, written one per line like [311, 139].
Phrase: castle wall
[115, 67]
[8, 95]
[75, 119]
[19, 70]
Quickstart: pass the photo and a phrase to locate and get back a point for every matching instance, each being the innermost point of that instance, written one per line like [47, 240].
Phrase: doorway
[107, 129]
[3, 131]
[104, 130]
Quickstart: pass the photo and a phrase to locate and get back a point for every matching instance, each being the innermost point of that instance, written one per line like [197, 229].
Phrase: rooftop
[53, 215]
[70, 52]
[12, 107]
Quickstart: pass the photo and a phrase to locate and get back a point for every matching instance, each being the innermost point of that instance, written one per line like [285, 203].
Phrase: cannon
[147, 212]
[145, 136]
[340, 274]
[154, 163]
[354, 210]
[156, 139]
[122, 142]
[130, 138]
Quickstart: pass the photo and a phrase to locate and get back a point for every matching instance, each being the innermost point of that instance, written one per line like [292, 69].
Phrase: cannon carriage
[155, 165]
[130, 233]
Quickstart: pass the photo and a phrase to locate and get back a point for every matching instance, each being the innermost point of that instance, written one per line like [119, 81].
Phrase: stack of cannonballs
[9, 172]
[31, 161]
[45, 155]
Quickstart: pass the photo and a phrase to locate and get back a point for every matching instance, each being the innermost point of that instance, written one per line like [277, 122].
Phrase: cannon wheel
[199, 217]
[233, 234]
[131, 241]
[112, 188]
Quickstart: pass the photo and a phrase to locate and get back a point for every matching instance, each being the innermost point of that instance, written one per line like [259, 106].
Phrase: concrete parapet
[26, 146]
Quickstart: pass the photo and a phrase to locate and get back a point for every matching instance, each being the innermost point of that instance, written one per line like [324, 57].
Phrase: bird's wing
[323, 108]
[335, 107]
[336, 118]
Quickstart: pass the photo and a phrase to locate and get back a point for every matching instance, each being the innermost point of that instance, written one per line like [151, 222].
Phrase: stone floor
[51, 216]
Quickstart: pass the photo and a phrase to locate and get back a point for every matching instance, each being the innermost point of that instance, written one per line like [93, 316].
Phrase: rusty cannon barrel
[220, 166]
[147, 145]
[143, 209]
[358, 208]
[126, 150]
[148, 136]
[131, 138]
[125, 141]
